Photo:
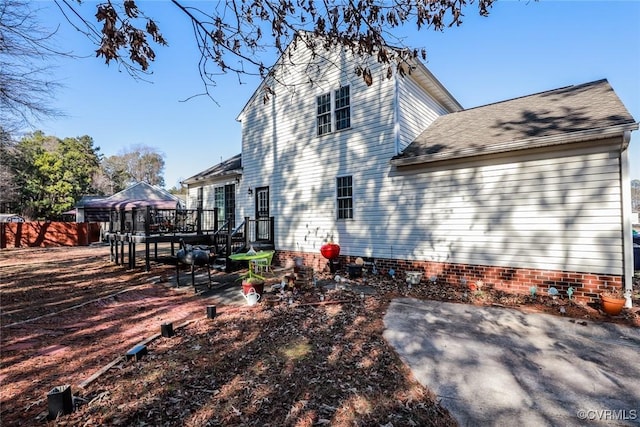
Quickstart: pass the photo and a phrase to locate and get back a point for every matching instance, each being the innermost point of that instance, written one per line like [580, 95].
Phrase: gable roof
[418, 72]
[587, 111]
[229, 167]
[143, 191]
[88, 199]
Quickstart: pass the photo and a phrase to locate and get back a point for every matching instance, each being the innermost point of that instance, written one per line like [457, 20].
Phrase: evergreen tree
[53, 174]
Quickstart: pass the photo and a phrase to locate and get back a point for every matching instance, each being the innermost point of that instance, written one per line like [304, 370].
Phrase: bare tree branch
[236, 35]
[25, 49]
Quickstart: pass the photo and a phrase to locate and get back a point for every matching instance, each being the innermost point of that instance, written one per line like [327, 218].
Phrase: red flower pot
[258, 287]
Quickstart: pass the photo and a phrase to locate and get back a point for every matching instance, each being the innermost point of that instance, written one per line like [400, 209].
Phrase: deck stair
[228, 240]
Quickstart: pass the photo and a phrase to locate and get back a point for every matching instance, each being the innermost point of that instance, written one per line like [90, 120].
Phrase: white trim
[627, 233]
[236, 175]
[332, 110]
[435, 88]
[337, 205]
[396, 113]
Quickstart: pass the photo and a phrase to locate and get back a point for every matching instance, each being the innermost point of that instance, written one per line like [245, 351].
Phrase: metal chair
[263, 265]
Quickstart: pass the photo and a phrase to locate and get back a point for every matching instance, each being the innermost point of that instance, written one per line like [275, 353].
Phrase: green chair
[263, 265]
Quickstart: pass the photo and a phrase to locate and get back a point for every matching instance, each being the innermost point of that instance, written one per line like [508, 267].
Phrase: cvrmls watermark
[608, 414]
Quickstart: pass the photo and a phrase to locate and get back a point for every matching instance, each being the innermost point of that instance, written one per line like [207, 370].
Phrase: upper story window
[324, 113]
[333, 110]
[343, 108]
[344, 197]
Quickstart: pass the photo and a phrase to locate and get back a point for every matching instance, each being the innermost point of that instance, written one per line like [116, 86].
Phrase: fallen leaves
[299, 360]
[295, 366]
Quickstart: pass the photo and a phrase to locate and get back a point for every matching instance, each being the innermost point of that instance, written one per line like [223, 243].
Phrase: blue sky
[523, 47]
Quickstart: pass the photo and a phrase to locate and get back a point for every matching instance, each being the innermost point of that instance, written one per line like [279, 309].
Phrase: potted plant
[613, 301]
[255, 283]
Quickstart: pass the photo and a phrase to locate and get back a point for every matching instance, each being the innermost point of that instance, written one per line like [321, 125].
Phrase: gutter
[547, 141]
[627, 227]
[205, 180]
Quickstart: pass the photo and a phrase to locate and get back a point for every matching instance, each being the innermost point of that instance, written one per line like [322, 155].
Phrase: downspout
[396, 113]
[627, 233]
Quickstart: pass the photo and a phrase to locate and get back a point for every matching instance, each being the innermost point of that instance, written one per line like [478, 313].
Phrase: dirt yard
[69, 315]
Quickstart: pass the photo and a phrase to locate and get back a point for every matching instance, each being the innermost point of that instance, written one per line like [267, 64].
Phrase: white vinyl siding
[193, 196]
[213, 196]
[300, 167]
[553, 213]
[417, 110]
[557, 211]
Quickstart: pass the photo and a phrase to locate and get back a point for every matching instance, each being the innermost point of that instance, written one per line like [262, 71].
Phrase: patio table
[249, 258]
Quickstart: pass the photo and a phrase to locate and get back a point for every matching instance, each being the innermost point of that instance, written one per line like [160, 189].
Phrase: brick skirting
[586, 286]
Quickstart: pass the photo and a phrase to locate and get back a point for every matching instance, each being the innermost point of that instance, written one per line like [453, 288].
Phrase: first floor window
[230, 204]
[200, 198]
[344, 196]
[219, 203]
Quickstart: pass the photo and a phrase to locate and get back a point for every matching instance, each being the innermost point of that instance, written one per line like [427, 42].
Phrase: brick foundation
[586, 286]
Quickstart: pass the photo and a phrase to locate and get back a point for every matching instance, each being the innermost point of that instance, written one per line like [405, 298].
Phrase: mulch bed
[68, 312]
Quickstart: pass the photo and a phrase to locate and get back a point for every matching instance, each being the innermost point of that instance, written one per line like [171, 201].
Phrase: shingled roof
[231, 166]
[591, 110]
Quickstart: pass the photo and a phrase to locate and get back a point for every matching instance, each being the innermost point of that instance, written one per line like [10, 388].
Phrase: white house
[532, 191]
[215, 188]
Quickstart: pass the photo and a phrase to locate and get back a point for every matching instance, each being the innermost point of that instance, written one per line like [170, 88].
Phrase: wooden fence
[46, 233]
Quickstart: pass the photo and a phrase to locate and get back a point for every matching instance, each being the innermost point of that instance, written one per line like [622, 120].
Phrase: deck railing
[259, 230]
[227, 240]
[152, 221]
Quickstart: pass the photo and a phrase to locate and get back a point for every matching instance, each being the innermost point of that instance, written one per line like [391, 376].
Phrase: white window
[344, 197]
[219, 203]
[342, 108]
[333, 110]
[200, 198]
[324, 114]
